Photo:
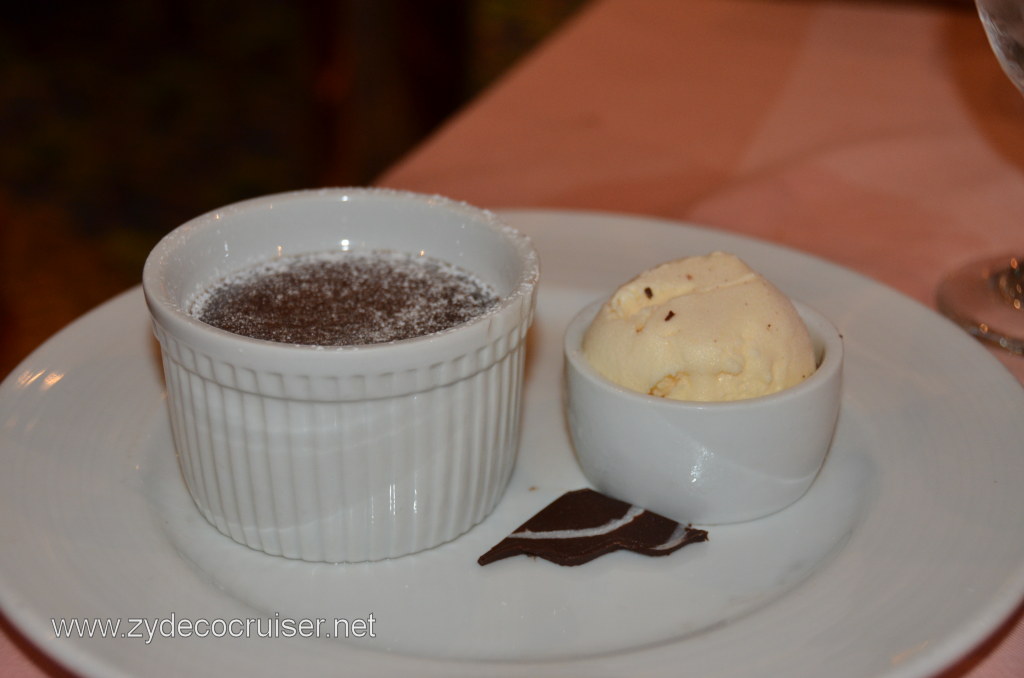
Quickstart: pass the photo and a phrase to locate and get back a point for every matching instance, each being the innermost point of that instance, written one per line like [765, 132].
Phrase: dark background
[120, 119]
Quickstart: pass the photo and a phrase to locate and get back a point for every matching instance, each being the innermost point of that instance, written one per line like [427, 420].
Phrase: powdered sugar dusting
[345, 299]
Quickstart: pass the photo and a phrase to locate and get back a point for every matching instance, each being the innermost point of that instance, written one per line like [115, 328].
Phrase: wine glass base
[976, 298]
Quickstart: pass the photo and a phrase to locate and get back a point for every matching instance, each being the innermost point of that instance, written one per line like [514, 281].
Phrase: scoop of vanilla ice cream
[704, 328]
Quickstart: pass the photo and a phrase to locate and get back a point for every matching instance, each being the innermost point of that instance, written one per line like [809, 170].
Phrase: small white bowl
[697, 462]
[346, 453]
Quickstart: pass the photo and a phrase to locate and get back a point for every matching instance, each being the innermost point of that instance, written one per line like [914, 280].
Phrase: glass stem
[1010, 283]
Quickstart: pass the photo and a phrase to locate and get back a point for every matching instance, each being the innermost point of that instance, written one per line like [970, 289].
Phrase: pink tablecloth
[879, 135]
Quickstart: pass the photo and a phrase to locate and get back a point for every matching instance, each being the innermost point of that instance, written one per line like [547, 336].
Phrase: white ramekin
[351, 453]
[704, 462]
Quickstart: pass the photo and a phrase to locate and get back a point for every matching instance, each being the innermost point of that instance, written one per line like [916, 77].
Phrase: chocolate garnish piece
[584, 524]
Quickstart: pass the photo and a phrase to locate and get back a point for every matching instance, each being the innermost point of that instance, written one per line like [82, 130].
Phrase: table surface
[881, 136]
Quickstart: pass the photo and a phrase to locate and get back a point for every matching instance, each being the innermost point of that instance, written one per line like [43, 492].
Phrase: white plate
[905, 553]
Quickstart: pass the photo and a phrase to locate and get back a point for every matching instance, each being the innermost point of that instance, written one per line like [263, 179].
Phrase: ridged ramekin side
[347, 480]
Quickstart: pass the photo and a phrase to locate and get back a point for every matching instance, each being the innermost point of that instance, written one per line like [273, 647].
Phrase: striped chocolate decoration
[584, 524]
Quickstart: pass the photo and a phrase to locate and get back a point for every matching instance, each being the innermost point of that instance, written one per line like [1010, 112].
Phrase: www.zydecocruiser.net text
[148, 629]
